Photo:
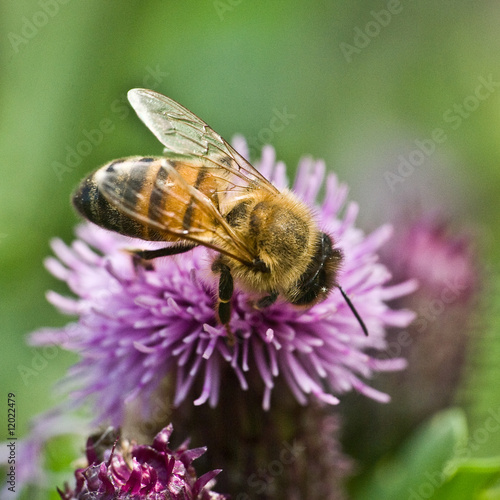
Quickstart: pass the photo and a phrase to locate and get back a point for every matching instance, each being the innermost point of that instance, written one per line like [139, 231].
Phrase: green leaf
[430, 466]
[470, 479]
[421, 464]
[492, 494]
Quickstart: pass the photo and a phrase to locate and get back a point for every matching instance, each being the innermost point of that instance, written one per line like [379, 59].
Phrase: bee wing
[209, 228]
[182, 132]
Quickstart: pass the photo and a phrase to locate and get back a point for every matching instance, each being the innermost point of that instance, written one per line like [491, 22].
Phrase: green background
[66, 68]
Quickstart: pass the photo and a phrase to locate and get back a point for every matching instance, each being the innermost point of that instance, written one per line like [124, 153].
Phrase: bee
[203, 192]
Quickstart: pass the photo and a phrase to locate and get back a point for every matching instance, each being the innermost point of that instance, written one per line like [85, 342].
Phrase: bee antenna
[353, 309]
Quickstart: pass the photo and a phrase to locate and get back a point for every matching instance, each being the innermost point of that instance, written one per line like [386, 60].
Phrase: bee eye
[319, 278]
[306, 297]
[310, 291]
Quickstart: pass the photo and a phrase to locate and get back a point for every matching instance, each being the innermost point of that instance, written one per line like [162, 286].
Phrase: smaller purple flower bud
[128, 471]
[436, 344]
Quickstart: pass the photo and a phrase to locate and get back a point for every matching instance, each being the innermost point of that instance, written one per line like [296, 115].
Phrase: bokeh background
[360, 84]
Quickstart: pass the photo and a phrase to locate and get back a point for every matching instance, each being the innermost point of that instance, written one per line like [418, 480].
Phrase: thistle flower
[138, 325]
[426, 247]
[141, 472]
[443, 261]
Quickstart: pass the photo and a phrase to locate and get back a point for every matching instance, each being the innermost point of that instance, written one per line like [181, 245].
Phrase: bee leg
[226, 288]
[139, 263]
[162, 252]
[141, 258]
[231, 340]
[266, 301]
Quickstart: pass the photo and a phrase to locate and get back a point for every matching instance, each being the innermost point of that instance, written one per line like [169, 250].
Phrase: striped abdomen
[139, 196]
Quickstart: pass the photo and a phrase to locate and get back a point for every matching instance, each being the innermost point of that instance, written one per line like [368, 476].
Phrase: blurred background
[401, 99]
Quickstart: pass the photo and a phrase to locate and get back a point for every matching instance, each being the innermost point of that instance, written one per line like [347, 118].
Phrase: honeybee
[203, 192]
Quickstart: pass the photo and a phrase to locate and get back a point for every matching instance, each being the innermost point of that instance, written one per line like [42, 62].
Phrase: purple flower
[441, 256]
[137, 325]
[141, 472]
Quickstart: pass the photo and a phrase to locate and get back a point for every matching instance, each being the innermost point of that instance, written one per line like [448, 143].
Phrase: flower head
[427, 247]
[140, 472]
[137, 325]
[442, 259]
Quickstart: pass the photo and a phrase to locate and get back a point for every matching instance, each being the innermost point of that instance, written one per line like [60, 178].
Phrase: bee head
[320, 276]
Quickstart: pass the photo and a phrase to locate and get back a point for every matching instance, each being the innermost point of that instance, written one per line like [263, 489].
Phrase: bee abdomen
[92, 204]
